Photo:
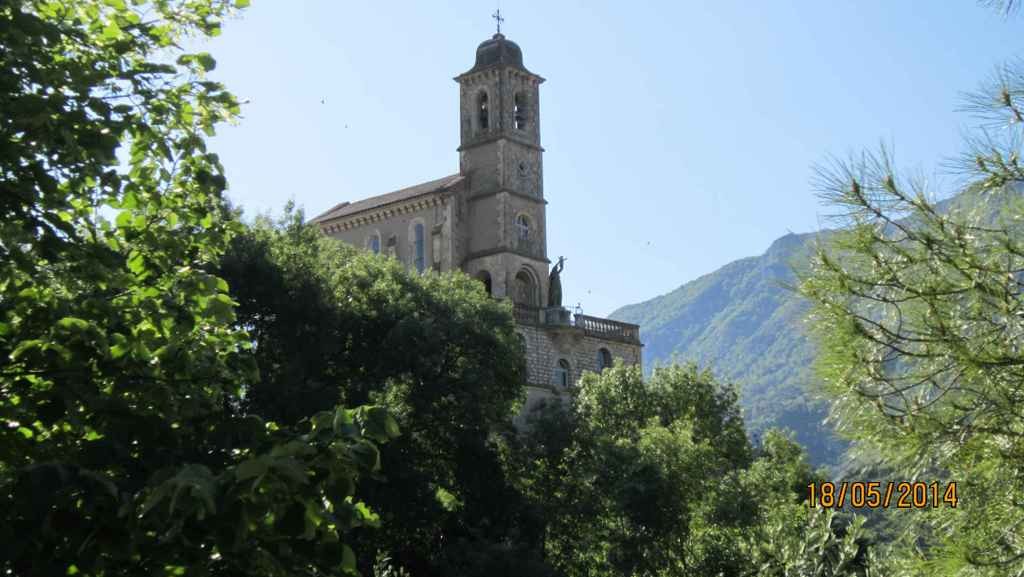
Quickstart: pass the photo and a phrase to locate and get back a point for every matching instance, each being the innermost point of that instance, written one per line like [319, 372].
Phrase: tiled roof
[348, 208]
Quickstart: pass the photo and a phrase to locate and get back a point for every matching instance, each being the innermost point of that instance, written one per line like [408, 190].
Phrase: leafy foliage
[658, 478]
[330, 323]
[918, 308]
[746, 323]
[122, 446]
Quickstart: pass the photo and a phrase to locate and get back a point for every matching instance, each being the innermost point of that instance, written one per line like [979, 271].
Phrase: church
[488, 220]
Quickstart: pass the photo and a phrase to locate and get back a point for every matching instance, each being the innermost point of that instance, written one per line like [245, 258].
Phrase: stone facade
[546, 345]
[489, 221]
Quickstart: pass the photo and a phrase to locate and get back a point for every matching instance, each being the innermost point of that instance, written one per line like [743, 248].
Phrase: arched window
[519, 111]
[483, 114]
[485, 277]
[523, 227]
[419, 247]
[562, 372]
[373, 243]
[526, 289]
[604, 359]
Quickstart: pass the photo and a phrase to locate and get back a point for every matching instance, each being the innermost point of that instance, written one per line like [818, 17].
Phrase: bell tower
[501, 156]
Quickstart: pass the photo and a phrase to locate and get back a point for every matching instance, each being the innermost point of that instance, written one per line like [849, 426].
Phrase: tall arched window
[373, 243]
[523, 227]
[604, 359]
[419, 248]
[562, 372]
[483, 114]
[519, 115]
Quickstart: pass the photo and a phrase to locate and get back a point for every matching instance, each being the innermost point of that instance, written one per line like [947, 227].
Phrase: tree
[122, 449]
[919, 308]
[787, 539]
[333, 324]
[658, 478]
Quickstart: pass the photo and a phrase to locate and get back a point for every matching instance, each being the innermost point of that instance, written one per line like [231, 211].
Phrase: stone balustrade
[592, 326]
[608, 329]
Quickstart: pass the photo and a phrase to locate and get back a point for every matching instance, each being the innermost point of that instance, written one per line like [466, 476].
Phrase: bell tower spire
[501, 157]
[500, 110]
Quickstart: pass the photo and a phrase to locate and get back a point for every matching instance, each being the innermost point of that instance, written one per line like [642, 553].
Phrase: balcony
[608, 329]
[591, 326]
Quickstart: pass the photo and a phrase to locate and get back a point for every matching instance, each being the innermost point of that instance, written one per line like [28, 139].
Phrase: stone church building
[488, 220]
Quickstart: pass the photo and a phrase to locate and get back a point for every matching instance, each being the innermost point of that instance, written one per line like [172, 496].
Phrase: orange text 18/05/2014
[876, 494]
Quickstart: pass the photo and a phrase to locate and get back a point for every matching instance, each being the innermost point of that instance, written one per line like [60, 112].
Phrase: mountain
[746, 324]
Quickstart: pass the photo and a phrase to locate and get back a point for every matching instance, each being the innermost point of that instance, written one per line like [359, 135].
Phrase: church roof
[350, 208]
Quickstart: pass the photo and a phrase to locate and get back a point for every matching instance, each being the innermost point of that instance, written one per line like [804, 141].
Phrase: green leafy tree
[334, 324]
[919, 312]
[788, 538]
[122, 447]
[658, 478]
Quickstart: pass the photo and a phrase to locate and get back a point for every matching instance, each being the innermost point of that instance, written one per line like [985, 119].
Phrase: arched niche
[485, 278]
[525, 288]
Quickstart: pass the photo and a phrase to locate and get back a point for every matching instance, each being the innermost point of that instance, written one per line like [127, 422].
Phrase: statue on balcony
[555, 284]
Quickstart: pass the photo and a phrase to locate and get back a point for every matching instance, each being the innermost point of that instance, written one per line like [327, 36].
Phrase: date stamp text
[879, 495]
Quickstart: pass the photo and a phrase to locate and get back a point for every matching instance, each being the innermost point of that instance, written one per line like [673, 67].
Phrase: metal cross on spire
[497, 18]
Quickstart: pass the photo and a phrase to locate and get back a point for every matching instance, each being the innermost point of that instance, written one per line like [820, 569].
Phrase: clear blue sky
[679, 135]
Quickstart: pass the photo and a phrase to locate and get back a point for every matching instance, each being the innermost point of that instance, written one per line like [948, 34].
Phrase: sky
[679, 136]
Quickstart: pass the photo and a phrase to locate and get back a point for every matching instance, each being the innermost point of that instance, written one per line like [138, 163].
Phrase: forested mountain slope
[745, 323]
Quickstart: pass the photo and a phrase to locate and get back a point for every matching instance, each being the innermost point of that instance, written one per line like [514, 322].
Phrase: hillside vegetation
[748, 325]
[745, 323]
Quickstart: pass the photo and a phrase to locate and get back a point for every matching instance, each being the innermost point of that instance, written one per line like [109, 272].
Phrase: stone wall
[393, 226]
[545, 345]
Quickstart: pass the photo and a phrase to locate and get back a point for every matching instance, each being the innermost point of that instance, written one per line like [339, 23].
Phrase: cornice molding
[529, 197]
[496, 69]
[386, 212]
[500, 136]
[494, 251]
